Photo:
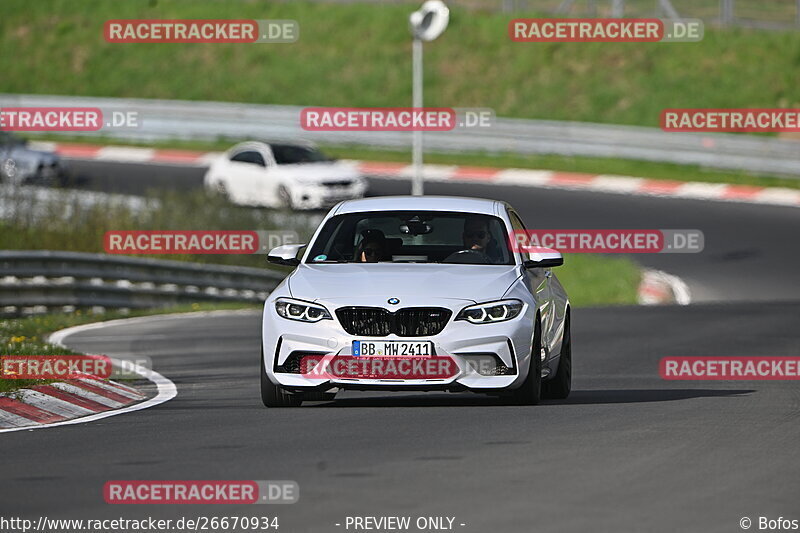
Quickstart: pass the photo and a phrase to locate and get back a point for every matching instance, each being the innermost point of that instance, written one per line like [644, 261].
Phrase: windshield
[289, 154]
[413, 237]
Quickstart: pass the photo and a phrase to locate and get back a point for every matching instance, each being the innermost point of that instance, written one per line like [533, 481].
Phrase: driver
[478, 239]
[372, 247]
[476, 234]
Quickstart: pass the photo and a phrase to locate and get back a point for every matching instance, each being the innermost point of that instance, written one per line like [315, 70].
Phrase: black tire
[63, 179]
[559, 386]
[220, 189]
[529, 393]
[274, 395]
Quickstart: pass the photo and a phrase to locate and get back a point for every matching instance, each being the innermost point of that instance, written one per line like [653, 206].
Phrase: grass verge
[67, 223]
[594, 280]
[26, 336]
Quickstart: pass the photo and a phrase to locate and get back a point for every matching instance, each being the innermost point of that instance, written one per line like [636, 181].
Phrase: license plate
[392, 349]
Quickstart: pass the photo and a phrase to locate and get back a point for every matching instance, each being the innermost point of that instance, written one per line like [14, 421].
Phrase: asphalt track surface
[626, 452]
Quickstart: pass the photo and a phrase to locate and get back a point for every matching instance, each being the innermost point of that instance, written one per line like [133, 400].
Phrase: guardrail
[39, 281]
[178, 119]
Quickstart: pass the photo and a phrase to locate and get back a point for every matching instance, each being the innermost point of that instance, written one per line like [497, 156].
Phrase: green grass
[26, 336]
[359, 55]
[593, 280]
[68, 226]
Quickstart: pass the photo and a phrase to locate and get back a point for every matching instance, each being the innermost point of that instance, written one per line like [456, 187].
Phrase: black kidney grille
[367, 321]
[420, 321]
[406, 322]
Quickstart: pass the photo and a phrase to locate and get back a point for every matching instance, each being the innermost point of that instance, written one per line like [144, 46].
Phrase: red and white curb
[80, 400]
[57, 402]
[466, 174]
[551, 179]
[659, 288]
[128, 154]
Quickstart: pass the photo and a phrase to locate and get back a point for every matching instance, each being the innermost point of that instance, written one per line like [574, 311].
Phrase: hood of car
[407, 282]
[317, 173]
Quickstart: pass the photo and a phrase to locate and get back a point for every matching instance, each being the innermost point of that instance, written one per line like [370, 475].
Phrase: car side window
[249, 156]
[517, 226]
[516, 222]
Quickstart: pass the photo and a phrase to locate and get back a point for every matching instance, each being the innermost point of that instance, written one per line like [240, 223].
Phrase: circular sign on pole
[430, 21]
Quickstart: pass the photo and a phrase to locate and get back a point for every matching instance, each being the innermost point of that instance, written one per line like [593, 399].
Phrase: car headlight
[491, 312]
[302, 311]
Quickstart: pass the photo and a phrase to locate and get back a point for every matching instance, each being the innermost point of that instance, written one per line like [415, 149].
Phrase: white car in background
[297, 176]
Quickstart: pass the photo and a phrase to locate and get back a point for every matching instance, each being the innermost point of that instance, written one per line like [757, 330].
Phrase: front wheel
[274, 395]
[218, 187]
[285, 198]
[560, 385]
[530, 391]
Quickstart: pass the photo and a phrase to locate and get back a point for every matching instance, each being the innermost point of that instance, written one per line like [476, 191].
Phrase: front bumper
[509, 342]
[321, 196]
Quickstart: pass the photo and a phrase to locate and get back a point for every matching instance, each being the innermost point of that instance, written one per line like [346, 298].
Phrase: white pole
[416, 151]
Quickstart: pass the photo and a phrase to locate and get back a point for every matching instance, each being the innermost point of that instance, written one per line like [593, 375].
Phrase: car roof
[422, 203]
[259, 143]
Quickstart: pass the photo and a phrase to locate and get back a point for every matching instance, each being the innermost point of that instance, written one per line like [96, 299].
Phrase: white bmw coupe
[296, 176]
[416, 293]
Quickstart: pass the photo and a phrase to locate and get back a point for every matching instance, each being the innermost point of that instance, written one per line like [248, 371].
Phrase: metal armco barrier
[178, 119]
[37, 281]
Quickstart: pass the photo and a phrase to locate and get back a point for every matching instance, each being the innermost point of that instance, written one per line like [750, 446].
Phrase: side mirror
[285, 255]
[544, 258]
